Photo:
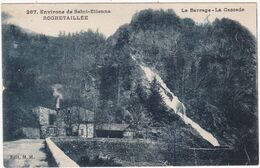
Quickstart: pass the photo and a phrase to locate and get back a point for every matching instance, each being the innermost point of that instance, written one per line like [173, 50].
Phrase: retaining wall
[59, 156]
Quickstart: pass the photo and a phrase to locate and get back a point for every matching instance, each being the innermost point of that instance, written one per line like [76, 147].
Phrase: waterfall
[174, 103]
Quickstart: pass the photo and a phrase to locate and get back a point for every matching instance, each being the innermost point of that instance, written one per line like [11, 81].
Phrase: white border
[126, 1]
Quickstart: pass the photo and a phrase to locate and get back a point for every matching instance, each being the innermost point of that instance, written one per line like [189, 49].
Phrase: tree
[155, 105]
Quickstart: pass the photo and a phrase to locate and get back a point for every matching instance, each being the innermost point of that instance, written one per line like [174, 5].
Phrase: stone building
[66, 121]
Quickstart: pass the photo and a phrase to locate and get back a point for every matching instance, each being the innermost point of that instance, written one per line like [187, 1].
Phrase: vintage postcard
[129, 84]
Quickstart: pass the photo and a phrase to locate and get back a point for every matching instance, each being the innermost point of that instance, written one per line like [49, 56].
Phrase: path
[25, 153]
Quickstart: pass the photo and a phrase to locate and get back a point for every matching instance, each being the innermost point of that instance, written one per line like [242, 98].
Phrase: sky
[120, 14]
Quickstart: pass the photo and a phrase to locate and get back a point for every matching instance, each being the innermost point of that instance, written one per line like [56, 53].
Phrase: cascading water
[174, 103]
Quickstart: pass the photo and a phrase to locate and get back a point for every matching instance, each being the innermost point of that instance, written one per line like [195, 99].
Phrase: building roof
[42, 107]
[87, 115]
[112, 127]
[84, 114]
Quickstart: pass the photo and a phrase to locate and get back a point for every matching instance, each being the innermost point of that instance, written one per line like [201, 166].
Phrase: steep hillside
[211, 68]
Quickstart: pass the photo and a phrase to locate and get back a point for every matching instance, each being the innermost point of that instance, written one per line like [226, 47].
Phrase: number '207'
[31, 11]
